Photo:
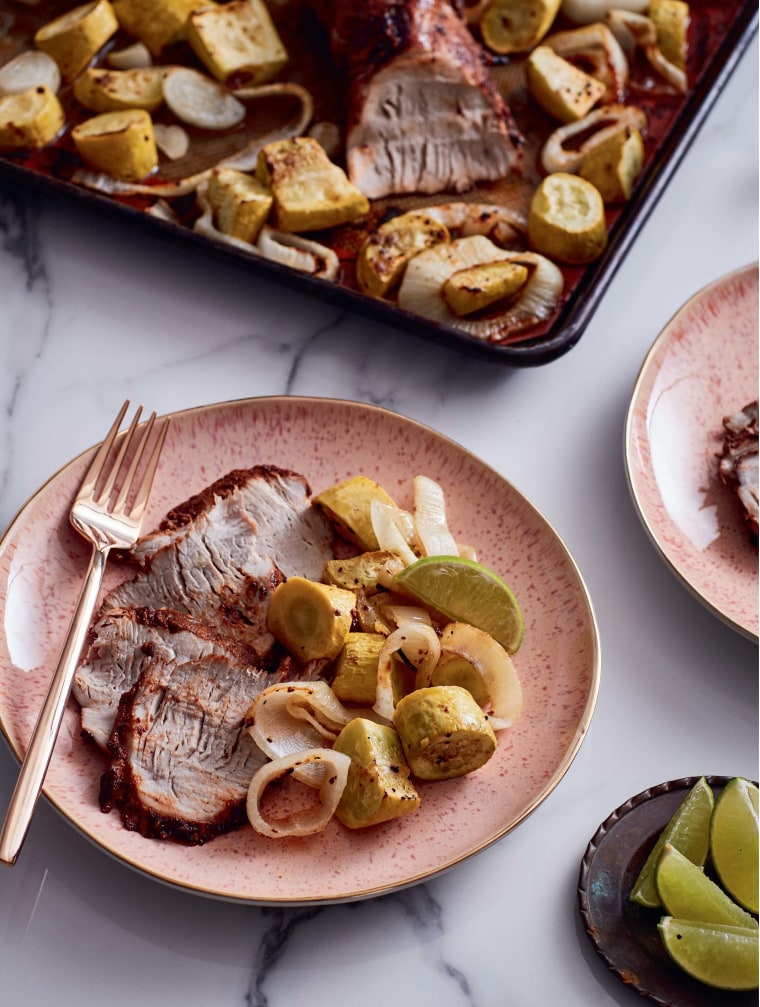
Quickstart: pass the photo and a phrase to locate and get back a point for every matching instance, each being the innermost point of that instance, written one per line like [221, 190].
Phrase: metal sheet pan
[722, 33]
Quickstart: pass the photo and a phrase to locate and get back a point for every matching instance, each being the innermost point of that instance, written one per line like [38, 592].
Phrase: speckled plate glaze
[41, 566]
[623, 934]
[702, 367]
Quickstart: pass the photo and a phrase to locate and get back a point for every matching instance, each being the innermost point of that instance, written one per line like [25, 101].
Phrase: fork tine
[126, 484]
[96, 466]
[141, 500]
[126, 441]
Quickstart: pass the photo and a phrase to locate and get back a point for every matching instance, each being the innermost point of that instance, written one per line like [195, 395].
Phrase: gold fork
[106, 525]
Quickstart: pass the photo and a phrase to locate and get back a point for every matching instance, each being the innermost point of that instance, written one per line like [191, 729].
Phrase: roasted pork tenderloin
[738, 466]
[423, 115]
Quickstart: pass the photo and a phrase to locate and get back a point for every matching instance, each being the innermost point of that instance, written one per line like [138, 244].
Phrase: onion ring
[294, 717]
[608, 120]
[329, 773]
[493, 665]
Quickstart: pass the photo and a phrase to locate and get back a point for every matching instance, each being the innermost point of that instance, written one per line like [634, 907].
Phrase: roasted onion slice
[200, 101]
[299, 253]
[599, 124]
[295, 716]
[419, 644]
[493, 666]
[325, 770]
[33, 68]
[601, 53]
[430, 525]
[499, 223]
[421, 290]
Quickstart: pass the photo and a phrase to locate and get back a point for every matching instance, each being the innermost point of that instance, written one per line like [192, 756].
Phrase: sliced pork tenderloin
[219, 556]
[182, 760]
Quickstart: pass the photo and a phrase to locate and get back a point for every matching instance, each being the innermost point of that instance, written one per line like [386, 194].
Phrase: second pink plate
[702, 367]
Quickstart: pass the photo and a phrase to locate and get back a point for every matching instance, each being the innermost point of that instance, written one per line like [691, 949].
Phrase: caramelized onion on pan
[421, 290]
[600, 124]
[499, 223]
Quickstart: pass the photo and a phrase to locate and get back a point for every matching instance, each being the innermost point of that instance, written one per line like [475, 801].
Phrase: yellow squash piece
[566, 219]
[671, 19]
[562, 89]
[378, 786]
[384, 254]
[156, 23]
[444, 732]
[30, 119]
[362, 571]
[348, 506]
[470, 290]
[511, 26]
[613, 165]
[310, 192]
[241, 204]
[73, 39]
[237, 40]
[103, 90]
[355, 670]
[121, 144]
[310, 620]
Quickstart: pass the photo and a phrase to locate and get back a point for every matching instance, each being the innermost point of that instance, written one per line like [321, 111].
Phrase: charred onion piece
[499, 223]
[602, 55]
[288, 249]
[633, 29]
[604, 122]
[421, 290]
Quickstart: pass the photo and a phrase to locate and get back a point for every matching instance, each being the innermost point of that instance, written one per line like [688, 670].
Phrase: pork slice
[423, 113]
[219, 556]
[738, 467]
[127, 640]
[182, 760]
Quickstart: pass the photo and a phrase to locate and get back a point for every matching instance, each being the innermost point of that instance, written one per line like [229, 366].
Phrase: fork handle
[42, 743]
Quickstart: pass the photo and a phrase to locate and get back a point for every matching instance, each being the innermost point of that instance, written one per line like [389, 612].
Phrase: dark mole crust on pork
[185, 513]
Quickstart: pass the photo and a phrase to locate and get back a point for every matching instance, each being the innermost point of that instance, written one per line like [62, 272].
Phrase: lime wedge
[734, 841]
[718, 955]
[688, 894]
[466, 591]
[688, 830]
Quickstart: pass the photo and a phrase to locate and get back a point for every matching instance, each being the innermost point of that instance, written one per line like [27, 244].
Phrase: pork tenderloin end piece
[423, 114]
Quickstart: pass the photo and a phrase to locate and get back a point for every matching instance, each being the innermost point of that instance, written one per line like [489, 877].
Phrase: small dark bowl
[624, 934]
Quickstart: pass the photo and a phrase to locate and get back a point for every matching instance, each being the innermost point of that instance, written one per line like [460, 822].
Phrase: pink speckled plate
[702, 367]
[42, 561]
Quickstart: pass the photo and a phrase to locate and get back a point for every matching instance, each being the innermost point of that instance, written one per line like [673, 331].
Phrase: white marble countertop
[91, 312]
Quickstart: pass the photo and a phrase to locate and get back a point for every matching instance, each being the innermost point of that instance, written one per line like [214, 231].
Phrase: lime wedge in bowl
[688, 830]
[734, 841]
[466, 591]
[722, 956]
[687, 893]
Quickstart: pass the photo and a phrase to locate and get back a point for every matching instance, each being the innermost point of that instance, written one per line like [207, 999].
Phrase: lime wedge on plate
[466, 591]
[722, 956]
[734, 841]
[688, 894]
[688, 830]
